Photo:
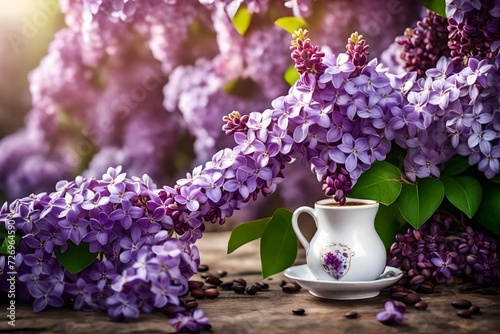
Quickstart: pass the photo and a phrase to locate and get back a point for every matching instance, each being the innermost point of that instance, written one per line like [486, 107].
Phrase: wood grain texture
[271, 311]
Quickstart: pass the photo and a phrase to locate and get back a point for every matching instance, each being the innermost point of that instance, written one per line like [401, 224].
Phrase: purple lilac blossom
[392, 313]
[85, 211]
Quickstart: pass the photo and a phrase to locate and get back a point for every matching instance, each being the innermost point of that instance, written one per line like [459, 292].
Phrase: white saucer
[343, 290]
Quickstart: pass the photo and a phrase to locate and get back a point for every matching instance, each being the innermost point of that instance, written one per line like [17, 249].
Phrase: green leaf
[76, 257]
[437, 6]
[4, 245]
[241, 20]
[290, 23]
[291, 75]
[417, 202]
[387, 224]
[488, 214]
[496, 179]
[456, 165]
[382, 183]
[245, 233]
[464, 192]
[278, 245]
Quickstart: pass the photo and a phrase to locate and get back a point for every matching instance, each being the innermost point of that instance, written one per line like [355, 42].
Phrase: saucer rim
[399, 274]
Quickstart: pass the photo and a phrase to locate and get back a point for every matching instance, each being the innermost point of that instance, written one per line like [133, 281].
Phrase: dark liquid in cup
[347, 204]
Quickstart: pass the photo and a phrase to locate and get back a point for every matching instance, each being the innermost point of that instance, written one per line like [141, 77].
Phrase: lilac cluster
[330, 122]
[424, 44]
[127, 223]
[357, 50]
[306, 56]
[473, 29]
[452, 110]
[439, 253]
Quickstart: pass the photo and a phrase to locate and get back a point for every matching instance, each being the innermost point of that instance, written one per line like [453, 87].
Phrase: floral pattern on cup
[336, 259]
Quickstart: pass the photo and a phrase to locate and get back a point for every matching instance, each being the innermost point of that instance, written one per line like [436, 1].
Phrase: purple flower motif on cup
[336, 259]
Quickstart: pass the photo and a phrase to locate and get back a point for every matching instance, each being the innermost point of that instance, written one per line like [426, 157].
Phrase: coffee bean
[205, 275]
[464, 313]
[426, 287]
[417, 280]
[252, 290]
[195, 285]
[291, 288]
[198, 293]
[239, 288]
[400, 305]
[399, 295]
[209, 287]
[283, 283]
[227, 286]
[265, 286]
[421, 305]
[413, 272]
[412, 299]
[461, 303]
[213, 280]
[221, 273]
[398, 288]
[351, 314]
[298, 311]
[240, 281]
[188, 299]
[191, 305]
[427, 273]
[211, 293]
[474, 309]
[258, 285]
[202, 268]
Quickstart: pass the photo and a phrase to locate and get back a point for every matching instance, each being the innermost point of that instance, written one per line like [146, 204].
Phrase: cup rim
[368, 203]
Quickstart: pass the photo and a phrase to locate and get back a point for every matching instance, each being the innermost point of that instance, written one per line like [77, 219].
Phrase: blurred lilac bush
[145, 84]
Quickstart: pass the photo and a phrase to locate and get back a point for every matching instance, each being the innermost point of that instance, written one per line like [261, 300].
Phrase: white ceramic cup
[346, 246]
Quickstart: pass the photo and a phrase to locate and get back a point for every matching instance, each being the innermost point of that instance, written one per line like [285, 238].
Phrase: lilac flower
[392, 313]
[456, 8]
[130, 246]
[25, 219]
[123, 305]
[281, 138]
[101, 232]
[193, 322]
[95, 202]
[84, 293]
[119, 193]
[212, 180]
[73, 227]
[101, 272]
[189, 196]
[444, 268]
[238, 183]
[39, 262]
[338, 69]
[51, 233]
[307, 118]
[125, 214]
[475, 72]
[355, 149]
[45, 296]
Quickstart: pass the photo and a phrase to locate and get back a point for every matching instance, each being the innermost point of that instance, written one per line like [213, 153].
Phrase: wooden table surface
[271, 311]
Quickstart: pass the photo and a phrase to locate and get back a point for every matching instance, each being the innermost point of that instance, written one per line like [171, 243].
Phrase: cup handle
[295, 223]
